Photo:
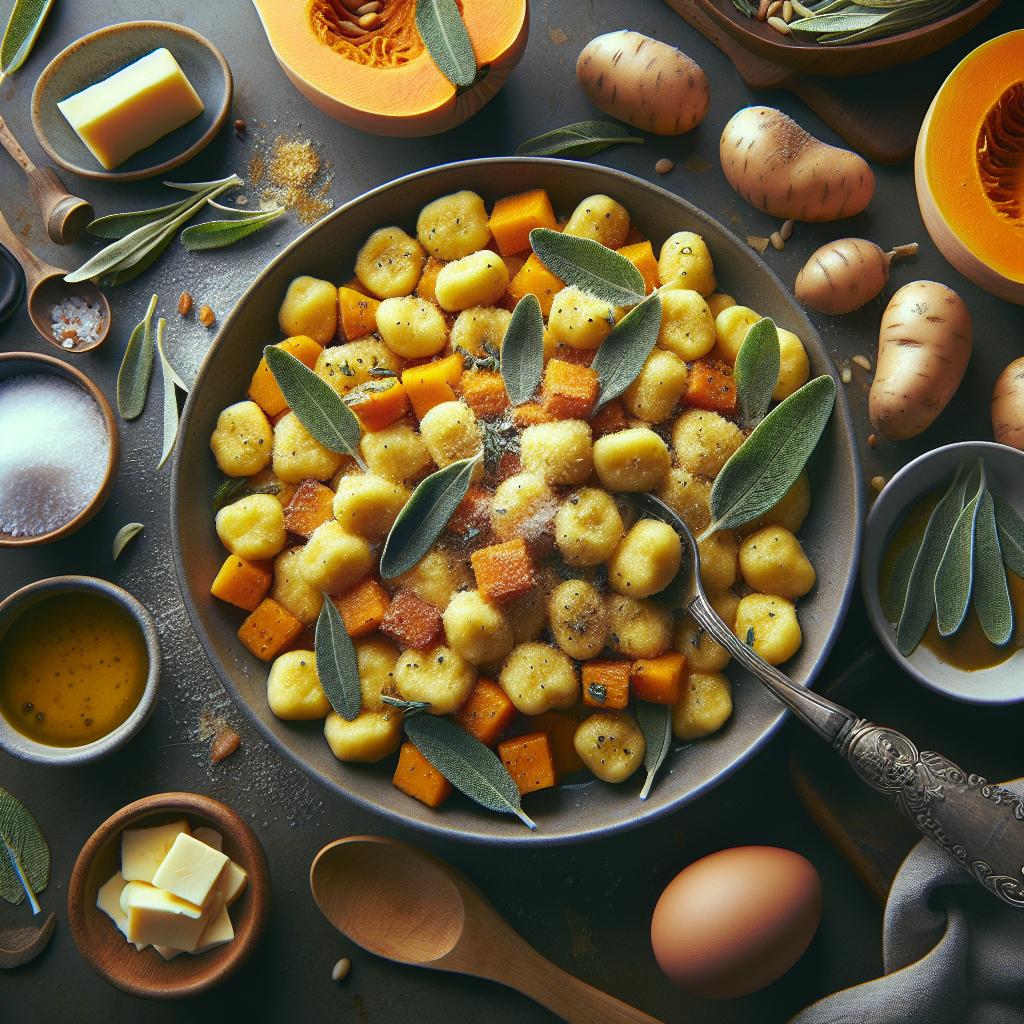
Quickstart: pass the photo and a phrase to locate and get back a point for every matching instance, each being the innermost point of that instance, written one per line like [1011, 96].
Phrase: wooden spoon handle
[13, 146]
[33, 266]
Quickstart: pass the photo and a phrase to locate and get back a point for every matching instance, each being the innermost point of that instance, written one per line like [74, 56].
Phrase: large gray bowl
[568, 813]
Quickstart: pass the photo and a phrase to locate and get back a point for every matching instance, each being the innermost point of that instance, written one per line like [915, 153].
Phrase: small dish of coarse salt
[76, 322]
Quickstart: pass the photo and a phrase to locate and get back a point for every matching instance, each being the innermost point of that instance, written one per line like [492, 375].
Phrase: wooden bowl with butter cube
[169, 896]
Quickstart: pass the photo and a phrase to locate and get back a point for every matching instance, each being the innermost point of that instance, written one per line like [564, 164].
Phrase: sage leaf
[440, 25]
[584, 138]
[991, 590]
[233, 488]
[27, 853]
[768, 462]
[896, 586]
[136, 367]
[1011, 535]
[336, 665]
[117, 225]
[424, 516]
[170, 378]
[954, 577]
[589, 266]
[757, 371]
[623, 353]
[128, 273]
[215, 234]
[522, 351]
[124, 536]
[919, 606]
[466, 763]
[318, 406]
[656, 724]
[23, 27]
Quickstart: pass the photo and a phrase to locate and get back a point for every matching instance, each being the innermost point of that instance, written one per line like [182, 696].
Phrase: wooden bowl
[13, 364]
[100, 54]
[147, 974]
[855, 58]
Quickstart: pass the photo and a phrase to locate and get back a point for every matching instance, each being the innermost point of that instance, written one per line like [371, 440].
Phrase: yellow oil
[73, 667]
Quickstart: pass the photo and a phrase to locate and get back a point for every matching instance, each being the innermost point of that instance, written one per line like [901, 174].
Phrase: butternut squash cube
[528, 760]
[514, 217]
[570, 390]
[269, 630]
[357, 314]
[487, 712]
[417, 777]
[362, 609]
[242, 582]
[535, 279]
[503, 571]
[264, 389]
[310, 506]
[659, 680]
[432, 383]
[411, 622]
[606, 684]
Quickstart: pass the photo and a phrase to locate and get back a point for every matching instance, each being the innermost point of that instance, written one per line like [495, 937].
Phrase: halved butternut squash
[969, 167]
[384, 81]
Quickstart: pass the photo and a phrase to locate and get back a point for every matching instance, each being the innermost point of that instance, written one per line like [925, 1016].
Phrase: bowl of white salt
[59, 449]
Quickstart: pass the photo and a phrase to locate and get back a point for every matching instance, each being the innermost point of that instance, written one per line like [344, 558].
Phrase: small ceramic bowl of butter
[169, 896]
[131, 101]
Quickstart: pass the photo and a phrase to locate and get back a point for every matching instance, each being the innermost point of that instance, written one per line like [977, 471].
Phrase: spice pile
[74, 322]
[292, 175]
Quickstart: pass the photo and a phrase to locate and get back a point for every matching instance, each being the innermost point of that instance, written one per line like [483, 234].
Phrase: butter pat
[157, 917]
[108, 899]
[190, 870]
[132, 108]
[143, 849]
[218, 932]
[232, 883]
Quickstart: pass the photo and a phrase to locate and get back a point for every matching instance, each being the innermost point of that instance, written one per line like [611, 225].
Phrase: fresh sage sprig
[234, 487]
[1011, 535]
[467, 764]
[124, 537]
[899, 581]
[336, 665]
[137, 367]
[757, 371]
[424, 516]
[24, 853]
[837, 22]
[991, 598]
[440, 25]
[522, 351]
[623, 353]
[215, 234]
[656, 724]
[589, 266]
[318, 406]
[584, 138]
[954, 577]
[171, 382]
[23, 27]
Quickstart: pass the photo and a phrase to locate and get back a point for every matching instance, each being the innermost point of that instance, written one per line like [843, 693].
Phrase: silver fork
[979, 824]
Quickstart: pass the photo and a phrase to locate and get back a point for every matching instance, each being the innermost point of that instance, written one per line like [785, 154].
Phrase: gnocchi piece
[720, 301]
[560, 452]
[580, 320]
[453, 226]
[290, 589]
[294, 692]
[334, 560]
[610, 745]
[478, 326]
[390, 263]
[647, 560]
[578, 619]
[368, 505]
[689, 496]
[476, 629]
[538, 678]
[704, 654]
[298, 455]
[310, 307]
[794, 367]
[631, 460]
[704, 441]
[252, 527]
[687, 324]
[242, 440]
[773, 562]
[412, 327]
[376, 659]
[347, 366]
[769, 625]
[396, 453]
[703, 707]
[719, 561]
[637, 628]
[440, 676]
[602, 219]
[476, 280]
[369, 738]
[451, 432]
[731, 326]
[435, 578]
[523, 506]
[792, 509]
[528, 615]
[588, 527]
[684, 262]
[655, 393]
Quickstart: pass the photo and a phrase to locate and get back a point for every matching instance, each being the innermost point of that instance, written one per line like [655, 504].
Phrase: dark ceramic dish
[100, 54]
[568, 813]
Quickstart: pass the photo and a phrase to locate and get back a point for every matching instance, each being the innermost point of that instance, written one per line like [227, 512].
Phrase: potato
[537, 678]
[252, 527]
[578, 620]
[631, 460]
[479, 326]
[368, 505]
[689, 496]
[719, 563]
[731, 326]
[579, 320]
[370, 737]
[846, 274]
[720, 301]
[334, 560]
[242, 440]
[637, 628]
[294, 692]
[476, 280]
[290, 589]
[794, 367]
[1008, 405]
[610, 745]
[685, 262]
[298, 455]
[451, 432]
[687, 324]
[647, 560]
[792, 509]
[347, 366]
[435, 578]
[785, 172]
[601, 219]
[923, 347]
[704, 654]
[560, 452]
[412, 327]
[704, 706]
[376, 659]
[588, 527]
[476, 629]
[453, 226]
[439, 676]
[769, 625]
[654, 394]
[397, 452]
[704, 441]
[773, 562]
[389, 263]
[523, 506]
[644, 82]
[310, 307]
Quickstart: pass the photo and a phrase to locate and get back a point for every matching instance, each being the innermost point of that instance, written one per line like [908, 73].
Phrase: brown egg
[736, 920]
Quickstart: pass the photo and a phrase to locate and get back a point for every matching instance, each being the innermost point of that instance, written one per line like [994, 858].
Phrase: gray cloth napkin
[952, 953]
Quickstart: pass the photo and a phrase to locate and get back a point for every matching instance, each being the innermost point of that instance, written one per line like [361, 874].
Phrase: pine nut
[207, 317]
[774, 7]
[762, 10]
[878, 483]
[184, 304]
[340, 970]
[787, 229]
[777, 241]
[787, 11]
[663, 166]
[846, 374]
[863, 362]
[779, 25]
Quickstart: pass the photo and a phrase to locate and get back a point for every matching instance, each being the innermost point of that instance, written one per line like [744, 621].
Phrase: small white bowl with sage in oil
[942, 571]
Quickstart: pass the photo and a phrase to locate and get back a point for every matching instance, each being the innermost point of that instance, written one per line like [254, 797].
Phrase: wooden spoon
[64, 215]
[405, 905]
[46, 288]
[20, 945]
